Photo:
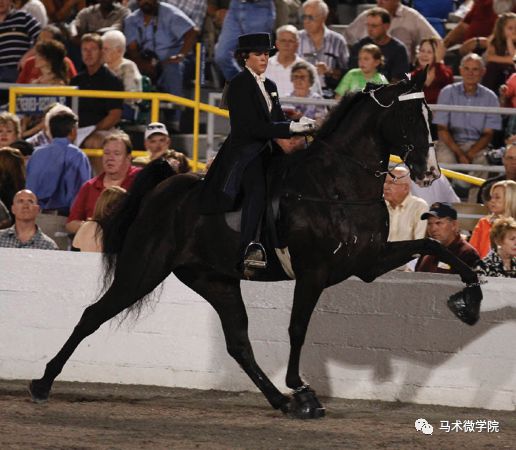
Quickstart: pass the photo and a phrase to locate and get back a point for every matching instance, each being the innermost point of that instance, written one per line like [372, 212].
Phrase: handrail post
[155, 109]
[12, 100]
[197, 99]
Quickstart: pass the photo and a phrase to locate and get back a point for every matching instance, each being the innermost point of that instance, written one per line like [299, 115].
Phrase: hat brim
[428, 214]
[153, 132]
[256, 49]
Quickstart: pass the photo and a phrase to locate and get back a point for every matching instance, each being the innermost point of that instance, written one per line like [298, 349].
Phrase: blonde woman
[501, 204]
[501, 260]
[89, 235]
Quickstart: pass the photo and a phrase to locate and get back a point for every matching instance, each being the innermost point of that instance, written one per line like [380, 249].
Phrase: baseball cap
[154, 128]
[440, 209]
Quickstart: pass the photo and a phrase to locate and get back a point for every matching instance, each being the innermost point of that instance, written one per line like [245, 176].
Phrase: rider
[256, 119]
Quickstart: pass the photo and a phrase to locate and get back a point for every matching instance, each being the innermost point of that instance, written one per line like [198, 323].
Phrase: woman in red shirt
[439, 75]
[30, 72]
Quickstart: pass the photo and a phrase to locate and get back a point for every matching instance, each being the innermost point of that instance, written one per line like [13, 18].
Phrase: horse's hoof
[305, 405]
[38, 391]
[466, 304]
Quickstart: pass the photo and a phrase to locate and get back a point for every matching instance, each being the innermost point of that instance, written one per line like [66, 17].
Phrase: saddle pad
[233, 219]
[284, 258]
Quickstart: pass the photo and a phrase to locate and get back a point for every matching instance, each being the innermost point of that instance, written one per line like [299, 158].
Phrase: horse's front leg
[304, 403]
[464, 304]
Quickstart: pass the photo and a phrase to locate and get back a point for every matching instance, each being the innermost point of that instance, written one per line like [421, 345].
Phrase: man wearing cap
[442, 225]
[157, 144]
[239, 169]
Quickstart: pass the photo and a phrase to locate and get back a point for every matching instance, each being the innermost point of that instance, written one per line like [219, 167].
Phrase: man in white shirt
[439, 191]
[405, 210]
[280, 65]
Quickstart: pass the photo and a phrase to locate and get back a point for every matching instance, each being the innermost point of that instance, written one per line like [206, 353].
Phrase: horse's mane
[117, 224]
[339, 112]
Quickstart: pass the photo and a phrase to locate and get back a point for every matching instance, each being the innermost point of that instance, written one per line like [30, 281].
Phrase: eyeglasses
[308, 17]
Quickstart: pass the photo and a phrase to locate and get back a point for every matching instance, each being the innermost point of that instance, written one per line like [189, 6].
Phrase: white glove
[305, 125]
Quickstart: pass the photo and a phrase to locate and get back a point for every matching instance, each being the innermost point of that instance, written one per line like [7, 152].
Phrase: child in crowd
[501, 204]
[370, 59]
[501, 260]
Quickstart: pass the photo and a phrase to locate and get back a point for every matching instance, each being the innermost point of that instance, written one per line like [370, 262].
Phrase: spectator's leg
[171, 81]
[228, 40]
[444, 154]
[242, 18]
[481, 159]
[259, 17]
[8, 74]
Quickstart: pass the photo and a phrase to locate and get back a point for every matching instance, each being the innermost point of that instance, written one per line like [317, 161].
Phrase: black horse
[336, 226]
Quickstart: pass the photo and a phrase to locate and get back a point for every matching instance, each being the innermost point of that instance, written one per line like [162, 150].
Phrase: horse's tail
[116, 225]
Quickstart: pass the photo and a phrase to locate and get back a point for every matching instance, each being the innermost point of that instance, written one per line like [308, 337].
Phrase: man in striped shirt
[324, 48]
[18, 34]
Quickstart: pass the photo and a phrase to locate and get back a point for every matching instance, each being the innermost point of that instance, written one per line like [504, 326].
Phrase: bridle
[407, 147]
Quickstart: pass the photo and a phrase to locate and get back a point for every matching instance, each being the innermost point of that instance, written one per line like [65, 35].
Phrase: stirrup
[255, 256]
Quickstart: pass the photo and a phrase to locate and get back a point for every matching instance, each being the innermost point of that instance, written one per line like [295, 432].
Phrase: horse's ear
[418, 81]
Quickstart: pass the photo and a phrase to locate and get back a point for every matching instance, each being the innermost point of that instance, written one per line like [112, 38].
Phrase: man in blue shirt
[463, 136]
[56, 171]
[159, 36]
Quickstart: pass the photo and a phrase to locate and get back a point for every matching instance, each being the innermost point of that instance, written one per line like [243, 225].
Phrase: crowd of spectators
[132, 44]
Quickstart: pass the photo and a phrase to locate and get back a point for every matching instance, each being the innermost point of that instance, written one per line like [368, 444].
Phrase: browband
[413, 96]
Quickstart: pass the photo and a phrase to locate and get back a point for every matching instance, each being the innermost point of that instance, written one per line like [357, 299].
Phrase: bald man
[405, 209]
[25, 233]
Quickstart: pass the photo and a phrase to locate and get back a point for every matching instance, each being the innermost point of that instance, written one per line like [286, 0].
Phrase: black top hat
[440, 209]
[255, 42]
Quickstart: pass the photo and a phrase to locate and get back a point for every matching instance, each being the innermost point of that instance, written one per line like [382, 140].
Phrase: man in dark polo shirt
[443, 226]
[378, 22]
[102, 113]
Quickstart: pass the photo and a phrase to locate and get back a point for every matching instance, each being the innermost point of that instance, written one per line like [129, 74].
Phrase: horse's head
[406, 127]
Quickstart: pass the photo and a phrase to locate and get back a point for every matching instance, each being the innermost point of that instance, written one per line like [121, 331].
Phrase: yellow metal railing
[156, 98]
[450, 173]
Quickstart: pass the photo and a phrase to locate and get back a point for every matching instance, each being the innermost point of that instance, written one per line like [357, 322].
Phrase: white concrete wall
[390, 340]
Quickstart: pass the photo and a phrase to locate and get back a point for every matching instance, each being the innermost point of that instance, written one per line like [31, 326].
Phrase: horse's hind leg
[225, 297]
[464, 304]
[128, 286]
